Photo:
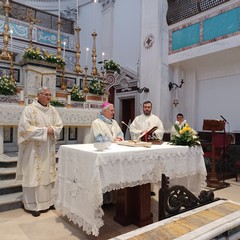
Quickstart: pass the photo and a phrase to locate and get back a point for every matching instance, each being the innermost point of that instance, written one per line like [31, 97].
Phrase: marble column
[154, 72]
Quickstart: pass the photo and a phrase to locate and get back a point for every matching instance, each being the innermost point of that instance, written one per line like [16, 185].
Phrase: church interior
[181, 55]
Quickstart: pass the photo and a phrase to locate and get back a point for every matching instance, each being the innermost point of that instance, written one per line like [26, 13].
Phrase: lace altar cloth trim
[84, 174]
[10, 115]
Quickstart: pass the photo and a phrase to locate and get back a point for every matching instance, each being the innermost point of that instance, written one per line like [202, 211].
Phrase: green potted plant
[7, 86]
[110, 65]
[96, 87]
[77, 94]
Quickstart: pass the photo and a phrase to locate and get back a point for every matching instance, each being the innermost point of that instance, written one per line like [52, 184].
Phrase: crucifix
[31, 20]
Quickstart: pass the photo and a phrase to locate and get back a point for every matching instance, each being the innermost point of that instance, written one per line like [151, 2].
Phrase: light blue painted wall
[221, 25]
[186, 37]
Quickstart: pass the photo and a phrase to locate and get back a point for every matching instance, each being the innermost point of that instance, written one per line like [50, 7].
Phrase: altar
[84, 174]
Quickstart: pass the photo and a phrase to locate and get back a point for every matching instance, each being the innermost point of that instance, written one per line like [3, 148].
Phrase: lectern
[213, 126]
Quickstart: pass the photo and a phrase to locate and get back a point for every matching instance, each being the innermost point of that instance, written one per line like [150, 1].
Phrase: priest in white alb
[38, 130]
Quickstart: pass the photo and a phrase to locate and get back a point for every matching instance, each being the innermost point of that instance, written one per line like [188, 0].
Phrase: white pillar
[154, 72]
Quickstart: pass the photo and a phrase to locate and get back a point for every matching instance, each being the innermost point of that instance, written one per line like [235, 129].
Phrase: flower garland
[77, 94]
[43, 55]
[7, 86]
[185, 136]
[110, 65]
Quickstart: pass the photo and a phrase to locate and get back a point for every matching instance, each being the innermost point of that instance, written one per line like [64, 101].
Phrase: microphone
[125, 124]
[224, 119]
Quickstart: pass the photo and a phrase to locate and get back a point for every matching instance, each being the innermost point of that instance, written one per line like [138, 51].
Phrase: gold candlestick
[5, 54]
[104, 83]
[78, 68]
[94, 56]
[85, 81]
[59, 48]
[63, 84]
[12, 69]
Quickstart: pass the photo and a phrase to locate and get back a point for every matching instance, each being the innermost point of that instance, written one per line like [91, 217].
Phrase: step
[10, 201]
[6, 170]
[10, 186]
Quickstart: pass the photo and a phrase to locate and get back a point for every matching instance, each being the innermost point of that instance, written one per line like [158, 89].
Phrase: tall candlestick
[103, 59]
[64, 49]
[94, 15]
[87, 49]
[59, 9]
[77, 12]
[11, 39]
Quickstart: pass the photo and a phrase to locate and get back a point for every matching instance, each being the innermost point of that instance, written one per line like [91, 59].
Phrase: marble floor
[19, 225]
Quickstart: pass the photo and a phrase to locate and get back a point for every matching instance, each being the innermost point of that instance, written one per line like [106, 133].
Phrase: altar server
[38, 130]
[145, 122]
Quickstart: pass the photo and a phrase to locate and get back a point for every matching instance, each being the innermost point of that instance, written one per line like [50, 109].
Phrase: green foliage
[55, 102]
[43, 55]
[7, 86]
[77, 94]
[110, 65]
[96, 87]
[185, 136]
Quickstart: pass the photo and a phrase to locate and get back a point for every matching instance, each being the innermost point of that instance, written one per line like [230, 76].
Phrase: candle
[7, 2]
[94, 15]
[77, 11]
[87, 49]
[64, 49]
[103, 59]
[69, 99]
[11, 39]
[21, 95]
[59, 9]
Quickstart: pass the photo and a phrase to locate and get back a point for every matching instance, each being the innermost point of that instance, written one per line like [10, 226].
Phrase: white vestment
[143, 122]
[36, 165]
[105, 127]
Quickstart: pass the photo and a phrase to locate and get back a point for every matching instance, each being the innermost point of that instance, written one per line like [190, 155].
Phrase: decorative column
[5, 54]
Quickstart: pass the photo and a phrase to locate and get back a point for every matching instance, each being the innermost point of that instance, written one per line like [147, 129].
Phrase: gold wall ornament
[5, 54]
[78, 68]
[94, 56]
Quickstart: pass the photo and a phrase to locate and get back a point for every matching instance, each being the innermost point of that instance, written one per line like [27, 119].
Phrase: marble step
[10, 186]
[10, 201]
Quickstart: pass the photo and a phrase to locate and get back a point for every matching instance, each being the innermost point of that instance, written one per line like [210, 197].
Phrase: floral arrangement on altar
[7, 86]
[185, 136]
[96, 87]
[43, 55]
[77, 94]
[110, 65]
[55, 102]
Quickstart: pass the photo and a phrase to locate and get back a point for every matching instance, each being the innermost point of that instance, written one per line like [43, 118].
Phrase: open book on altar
[149, 134]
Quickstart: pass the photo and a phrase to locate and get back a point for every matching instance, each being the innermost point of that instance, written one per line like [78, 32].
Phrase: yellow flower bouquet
[185, 136]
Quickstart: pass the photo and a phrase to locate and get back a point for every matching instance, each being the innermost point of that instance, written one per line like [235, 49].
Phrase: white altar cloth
[84, 174]
[11, 113]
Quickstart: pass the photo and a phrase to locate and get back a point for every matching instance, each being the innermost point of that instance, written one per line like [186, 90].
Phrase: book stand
[213, 125]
